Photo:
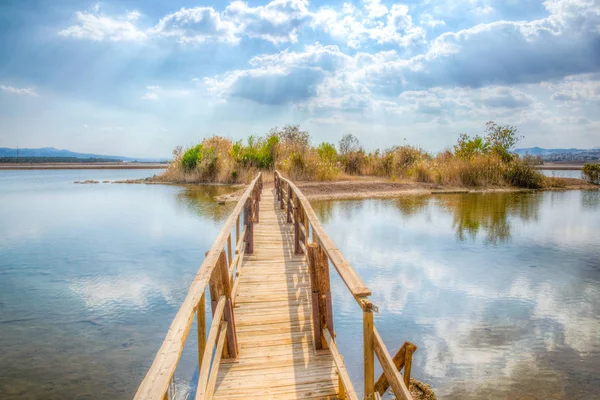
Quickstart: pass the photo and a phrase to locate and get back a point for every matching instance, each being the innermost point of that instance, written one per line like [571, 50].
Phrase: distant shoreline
[51, 166]
[562, 167]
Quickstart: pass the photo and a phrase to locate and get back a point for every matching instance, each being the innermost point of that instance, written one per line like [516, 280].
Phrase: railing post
[296, 206]
[223, 271]
[249, 239]
[201, 313]
[408, 364]
[313, 260]
[257, 202]
[369, 355]
[290, 197]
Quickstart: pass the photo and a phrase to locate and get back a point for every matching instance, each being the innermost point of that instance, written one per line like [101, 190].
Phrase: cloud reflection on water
[490, 287]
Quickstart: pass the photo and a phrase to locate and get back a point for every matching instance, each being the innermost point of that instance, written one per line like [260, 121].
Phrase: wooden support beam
[313, 259]
[210, 344]
[387, 364]
[369, 356]
[232, 346]
[341, 367]
[382, 383]
[229, 259]
[214, 369]
[408, 365]
[201, 312]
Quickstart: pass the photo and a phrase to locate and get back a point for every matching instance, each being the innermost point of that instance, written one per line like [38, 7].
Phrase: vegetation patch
[474, 161]
[591, 173]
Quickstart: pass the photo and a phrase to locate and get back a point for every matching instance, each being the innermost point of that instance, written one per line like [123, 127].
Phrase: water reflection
[516, 319]
[200, 200]
[91, 276]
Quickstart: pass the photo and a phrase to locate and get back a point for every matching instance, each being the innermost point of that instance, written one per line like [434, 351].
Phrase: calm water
[562, 173]
[91, 277]
[501, 293]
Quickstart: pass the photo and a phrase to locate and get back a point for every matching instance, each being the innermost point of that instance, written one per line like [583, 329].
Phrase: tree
[502, 139]
[327, 152]
[467, 146]
[349, 144]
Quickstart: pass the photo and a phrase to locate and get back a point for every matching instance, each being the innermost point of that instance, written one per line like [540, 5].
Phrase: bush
[327, 152]
[190, 158]
[591, 173]
[523, 175]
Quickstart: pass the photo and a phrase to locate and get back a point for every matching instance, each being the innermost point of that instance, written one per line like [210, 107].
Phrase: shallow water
[500, 292]
[562, 173]
[91, 277]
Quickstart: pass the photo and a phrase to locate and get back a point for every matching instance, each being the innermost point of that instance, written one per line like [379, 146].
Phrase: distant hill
[562, 155]
[51, 152]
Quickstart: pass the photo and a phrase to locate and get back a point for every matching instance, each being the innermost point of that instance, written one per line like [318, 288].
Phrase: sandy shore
[42, 166]
[367, 188]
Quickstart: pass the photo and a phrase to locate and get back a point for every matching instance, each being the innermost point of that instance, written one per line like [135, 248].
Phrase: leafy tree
[349, 144]
[502, 139]
[467, 146]
[327, 152]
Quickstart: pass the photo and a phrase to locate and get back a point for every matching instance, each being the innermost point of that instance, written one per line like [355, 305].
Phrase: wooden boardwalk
[272, 333]
[273, 321]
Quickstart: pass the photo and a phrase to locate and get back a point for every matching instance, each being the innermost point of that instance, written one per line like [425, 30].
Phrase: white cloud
[14, 90]
[96, 26]
[373, 23]
[428, 20]
[277, 22]
[198, 24]
[584, 87]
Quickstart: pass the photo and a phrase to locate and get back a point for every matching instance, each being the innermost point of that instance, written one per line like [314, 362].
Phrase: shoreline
[380, 189]
[56, 166]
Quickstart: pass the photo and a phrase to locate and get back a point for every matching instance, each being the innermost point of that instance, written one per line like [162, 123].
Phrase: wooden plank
[201, 328]
[214, 369]
[210, 344]
[382, 383]
[369, 357]
[156, 381]
[348, 275]
[387, 364]
[341, 367]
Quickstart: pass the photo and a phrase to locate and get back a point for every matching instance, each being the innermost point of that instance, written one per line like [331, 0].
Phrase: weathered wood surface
[273, 317]
[156, 381]
[349, 276]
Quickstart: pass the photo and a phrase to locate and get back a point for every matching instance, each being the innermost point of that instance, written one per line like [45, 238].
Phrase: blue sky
[139, 78]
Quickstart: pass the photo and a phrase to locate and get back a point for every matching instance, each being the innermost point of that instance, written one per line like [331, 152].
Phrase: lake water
[500, 292]
[562, 173]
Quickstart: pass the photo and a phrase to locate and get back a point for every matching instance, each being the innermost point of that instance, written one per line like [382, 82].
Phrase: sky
[139, 78]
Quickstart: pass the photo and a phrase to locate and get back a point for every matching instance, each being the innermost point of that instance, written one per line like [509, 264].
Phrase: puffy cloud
[373, 23]
[276, 22]
[584, 87]
[14, 90]
[430, 21]
[198, 24]
[503, 52]
[96, 26]
[285, 77]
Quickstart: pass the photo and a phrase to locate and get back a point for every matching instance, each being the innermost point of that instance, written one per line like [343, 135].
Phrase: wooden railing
[219, 272]
[319, 252]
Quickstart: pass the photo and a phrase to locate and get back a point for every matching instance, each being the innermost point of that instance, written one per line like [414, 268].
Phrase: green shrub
[523, 175]
[327, 152]
[190, 158]
[591, 173]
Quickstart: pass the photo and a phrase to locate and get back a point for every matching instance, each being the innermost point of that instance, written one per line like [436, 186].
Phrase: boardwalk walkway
[272, 332]
[273, 321]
